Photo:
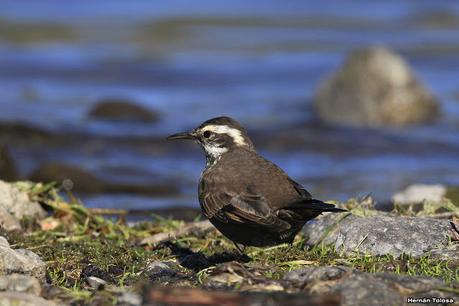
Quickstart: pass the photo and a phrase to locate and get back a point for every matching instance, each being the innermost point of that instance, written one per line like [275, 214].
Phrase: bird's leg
[240, 248]
[241, 256]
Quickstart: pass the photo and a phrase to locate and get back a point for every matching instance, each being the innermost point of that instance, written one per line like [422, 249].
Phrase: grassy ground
[74, 242]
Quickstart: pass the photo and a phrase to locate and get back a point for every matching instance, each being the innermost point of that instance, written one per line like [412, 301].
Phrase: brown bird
[247, 198]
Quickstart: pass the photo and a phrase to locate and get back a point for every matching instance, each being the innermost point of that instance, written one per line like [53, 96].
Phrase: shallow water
[259, 62]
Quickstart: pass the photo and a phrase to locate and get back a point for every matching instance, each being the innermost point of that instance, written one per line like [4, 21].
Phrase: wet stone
[78, 179]
[122, 110]
[75, 177]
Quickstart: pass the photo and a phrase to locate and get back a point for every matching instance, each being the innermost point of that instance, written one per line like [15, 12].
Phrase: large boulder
[379, 234]
[15, 205]
[375, 87]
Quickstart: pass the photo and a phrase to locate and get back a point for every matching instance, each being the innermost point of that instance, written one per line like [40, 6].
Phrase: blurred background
[349, 97]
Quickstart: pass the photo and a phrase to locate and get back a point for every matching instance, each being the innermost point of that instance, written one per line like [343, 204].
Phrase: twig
[195, 228]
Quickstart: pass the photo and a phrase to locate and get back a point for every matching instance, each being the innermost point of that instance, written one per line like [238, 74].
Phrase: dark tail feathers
[315, 205]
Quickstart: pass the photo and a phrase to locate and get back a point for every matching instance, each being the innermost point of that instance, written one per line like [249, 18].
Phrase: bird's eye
[206, 134]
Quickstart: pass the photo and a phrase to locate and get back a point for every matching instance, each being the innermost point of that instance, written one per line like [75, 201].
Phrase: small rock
[95, 282]
[129, 299]
[379, 234]
[155, 267]
[300, 278]
[23, 299]
[20, 261]
[20, 283]
[162, 273]
[418, 193]
[16, 205]
[122, 110]
[230, 275]
[7, 168]
[374, 88]
[96, 275]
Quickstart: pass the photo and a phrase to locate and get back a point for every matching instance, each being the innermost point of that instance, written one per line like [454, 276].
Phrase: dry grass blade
[195, 228]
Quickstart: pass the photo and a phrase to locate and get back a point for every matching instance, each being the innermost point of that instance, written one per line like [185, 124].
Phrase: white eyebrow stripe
[224, 129]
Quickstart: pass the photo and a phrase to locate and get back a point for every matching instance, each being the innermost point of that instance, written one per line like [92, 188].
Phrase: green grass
[79, 237]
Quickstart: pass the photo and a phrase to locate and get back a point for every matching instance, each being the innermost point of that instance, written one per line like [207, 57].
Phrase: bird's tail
[314, 205]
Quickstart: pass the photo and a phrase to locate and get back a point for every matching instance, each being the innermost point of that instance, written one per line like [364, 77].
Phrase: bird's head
[218, 136]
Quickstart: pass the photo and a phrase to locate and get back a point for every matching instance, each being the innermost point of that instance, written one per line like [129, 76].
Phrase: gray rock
[20, 283]
[376, 88]
[418, 193]
[15, 205]
[359, 288]
[23, 299]
[20, 261]
[379, 234]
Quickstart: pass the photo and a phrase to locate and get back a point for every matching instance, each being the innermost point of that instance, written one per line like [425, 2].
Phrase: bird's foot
[240, 253]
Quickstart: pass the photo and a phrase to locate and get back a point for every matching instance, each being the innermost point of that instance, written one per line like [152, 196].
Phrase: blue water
[259, 62]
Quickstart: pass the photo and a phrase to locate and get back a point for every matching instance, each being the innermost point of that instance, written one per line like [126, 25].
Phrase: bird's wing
[300, 189]
[245, 207]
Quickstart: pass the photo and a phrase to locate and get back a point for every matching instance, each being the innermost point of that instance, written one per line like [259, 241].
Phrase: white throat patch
[224, 129]
[215, 151]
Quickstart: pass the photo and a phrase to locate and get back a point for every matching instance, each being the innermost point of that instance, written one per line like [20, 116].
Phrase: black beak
[185, 135]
